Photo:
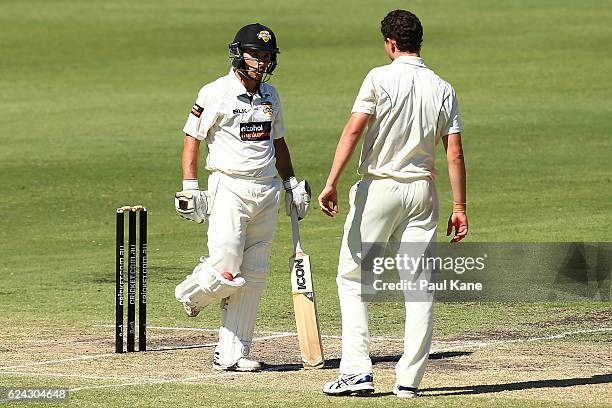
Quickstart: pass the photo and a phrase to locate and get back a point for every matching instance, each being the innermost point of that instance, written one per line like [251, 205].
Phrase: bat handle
[295, 229]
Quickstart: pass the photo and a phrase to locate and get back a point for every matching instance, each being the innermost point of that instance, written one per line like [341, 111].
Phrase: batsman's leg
[239, 311]
[226, 226]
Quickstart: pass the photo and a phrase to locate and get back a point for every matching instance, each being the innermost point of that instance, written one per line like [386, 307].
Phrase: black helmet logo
[264, 36]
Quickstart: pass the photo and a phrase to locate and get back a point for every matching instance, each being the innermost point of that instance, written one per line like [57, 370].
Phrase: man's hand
[191, 203]
[458, 221]
[328, 200]
[298, 195]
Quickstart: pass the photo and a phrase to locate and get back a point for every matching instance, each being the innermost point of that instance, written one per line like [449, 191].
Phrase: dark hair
[405, 28]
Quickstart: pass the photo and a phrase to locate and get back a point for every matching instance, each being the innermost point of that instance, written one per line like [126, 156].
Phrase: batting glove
[191, 203]
[297, 195]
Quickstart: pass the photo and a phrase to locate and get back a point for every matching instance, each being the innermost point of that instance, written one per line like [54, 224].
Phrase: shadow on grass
[334, 363]
[517, 386]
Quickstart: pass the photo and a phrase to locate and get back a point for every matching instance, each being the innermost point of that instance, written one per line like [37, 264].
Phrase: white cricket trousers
[241, 228]
[244, 213]
[385, 210]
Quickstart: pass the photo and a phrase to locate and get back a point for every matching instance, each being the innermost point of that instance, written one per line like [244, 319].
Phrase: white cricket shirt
[238, 128]
[411, 108]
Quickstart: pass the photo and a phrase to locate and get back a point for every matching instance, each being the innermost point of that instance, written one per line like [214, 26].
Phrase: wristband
[190, 184]
[459, 207]
[290, 183]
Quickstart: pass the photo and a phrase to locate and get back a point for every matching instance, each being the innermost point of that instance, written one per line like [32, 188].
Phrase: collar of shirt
[238, 88]
[409, 59]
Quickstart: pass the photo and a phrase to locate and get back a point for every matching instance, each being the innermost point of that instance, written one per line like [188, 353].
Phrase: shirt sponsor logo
[237, 111]
[268, 110]
[197, 110]
[255, 131]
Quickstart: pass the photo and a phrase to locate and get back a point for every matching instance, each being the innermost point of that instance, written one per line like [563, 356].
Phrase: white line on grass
[65, 360]
[382, 338]
[85, 377]
[192, 346]
[109, 326]
[285, 334]
[478, 344]
[194, 329]
[162, 381]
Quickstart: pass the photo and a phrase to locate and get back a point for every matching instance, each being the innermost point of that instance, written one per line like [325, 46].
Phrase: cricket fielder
[406, 109]
[239, 118]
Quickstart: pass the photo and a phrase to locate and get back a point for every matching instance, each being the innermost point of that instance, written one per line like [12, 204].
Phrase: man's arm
[283, 159]
[328, 199]
[189, 158]
[191, 203]
[297, 195]
[456, 174]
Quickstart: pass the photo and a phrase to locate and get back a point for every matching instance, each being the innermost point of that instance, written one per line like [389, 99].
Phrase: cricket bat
[304, 305]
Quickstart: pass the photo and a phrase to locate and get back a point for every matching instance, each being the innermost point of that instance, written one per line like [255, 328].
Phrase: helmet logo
[264, 35]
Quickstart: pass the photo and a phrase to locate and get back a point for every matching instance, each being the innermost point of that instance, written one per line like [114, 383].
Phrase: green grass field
[94, 97]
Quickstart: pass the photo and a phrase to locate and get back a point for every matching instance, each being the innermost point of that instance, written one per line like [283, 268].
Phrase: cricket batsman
[405, 109]
[240, 120]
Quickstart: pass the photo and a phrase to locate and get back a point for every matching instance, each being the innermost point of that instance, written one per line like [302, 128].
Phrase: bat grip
[295, 230]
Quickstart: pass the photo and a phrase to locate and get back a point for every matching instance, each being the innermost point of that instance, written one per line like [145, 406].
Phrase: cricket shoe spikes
[243, 364]
[404, 392]
[348, 384]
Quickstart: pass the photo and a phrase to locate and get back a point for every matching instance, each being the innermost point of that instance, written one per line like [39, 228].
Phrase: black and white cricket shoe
[404, 392]
[349, 384]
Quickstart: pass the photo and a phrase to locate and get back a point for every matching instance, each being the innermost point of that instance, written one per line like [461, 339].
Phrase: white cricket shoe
[243, 364]
[404, 392]
[191, 309]
[347, 384]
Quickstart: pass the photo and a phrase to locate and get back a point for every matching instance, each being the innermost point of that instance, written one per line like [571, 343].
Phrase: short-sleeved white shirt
[411, 108]
[238, 128]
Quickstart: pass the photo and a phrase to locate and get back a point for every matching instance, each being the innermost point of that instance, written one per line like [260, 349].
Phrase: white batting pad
[239, 311]
[205, 285]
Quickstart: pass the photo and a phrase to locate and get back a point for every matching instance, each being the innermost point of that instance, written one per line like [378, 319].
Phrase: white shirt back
[411, 108]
